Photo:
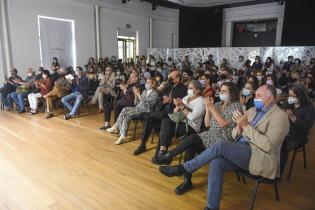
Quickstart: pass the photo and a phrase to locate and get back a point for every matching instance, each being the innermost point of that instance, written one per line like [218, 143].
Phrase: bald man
[259, 133]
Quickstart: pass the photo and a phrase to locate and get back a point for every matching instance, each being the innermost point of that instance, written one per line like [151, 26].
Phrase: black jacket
[299, 129]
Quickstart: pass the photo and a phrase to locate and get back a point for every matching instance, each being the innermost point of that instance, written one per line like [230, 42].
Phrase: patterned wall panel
[232, 53]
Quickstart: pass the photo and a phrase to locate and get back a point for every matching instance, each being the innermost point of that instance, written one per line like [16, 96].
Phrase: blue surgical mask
[258, 104]
[246, 92]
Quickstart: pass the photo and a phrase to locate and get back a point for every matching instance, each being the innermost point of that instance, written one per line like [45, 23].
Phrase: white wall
[248, 13]
[23, 26]
[114, 15]
[162, 33]
[111, 20]
[24, 29]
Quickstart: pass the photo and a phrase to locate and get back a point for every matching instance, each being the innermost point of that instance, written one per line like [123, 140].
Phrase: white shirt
[148, 92]
[196, 116]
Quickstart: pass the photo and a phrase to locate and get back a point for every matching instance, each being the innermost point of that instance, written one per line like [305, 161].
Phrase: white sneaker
[112, 130]
[121, 140]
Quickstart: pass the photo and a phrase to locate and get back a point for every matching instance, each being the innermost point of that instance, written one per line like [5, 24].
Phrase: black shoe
[171, 171]
[207, 208]
[157, 159]
[165, 159]
[141, 149]
[67, 117]
[183, 187]
[104, 127]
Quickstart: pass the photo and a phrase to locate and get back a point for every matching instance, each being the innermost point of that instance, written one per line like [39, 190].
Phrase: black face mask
[293, 80]
[223, 76]
[170, 81]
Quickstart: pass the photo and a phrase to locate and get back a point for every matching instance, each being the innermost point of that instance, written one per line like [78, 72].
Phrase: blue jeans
[77, 97]
[18, 98]
[7, 100]
[224, 156]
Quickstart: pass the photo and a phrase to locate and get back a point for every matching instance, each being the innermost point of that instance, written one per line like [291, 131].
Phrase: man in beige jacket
[260, 133]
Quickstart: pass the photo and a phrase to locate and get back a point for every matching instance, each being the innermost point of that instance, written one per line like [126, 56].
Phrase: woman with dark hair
[247, 96]
[271, 80]
[269, 66]
[301, 114]
[206, 82]
[257, 64]
[45, 85]
[218, 119]
[55, 64]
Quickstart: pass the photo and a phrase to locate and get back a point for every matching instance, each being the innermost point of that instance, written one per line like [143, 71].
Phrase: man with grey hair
[259, 134]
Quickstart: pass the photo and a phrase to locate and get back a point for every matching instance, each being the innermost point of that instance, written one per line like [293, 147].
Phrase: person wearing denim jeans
[259, 133]
[78, 93]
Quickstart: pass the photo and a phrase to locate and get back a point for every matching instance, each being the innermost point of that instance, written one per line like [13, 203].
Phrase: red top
[46, 86]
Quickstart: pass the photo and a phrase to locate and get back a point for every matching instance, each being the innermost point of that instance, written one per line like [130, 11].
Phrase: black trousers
[167, 132]
[191, 145]
[149, 124]
[107, 107]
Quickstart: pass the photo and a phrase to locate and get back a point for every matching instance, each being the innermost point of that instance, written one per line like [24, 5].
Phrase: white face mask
[224, 97]
[77, 73]
[269, 82]
[44, 76]
[259, 78]
[29, 74]
[147, 86]
[292, 100]
[190, 92]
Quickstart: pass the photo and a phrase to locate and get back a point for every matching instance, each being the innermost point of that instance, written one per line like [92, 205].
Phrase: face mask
[256, 61]
[292, 100]
[312, 62]
[246, 92]
[259, 78]
[269, 82]
[268, 61]
[159, 69]
[107, 72]
[202, 82]
[296, 61]
[77, 73]
[44, 76]
[118, 73]
[190, 92]
[223, 76]
[293, 79]
[290, 60]
[258, 104]
[170, 81]
[29, 74]
[147, 86]
[224, 97]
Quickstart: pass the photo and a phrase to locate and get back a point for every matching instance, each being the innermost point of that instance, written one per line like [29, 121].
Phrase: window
[56, 39]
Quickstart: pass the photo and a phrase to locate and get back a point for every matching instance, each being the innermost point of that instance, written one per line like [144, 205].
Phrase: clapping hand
[240, 119]
[209, 102]
[167, 99]
[178, 102]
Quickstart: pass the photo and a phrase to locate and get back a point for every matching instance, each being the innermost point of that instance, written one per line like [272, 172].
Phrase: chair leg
[252, 203]
[152, 137]
[244, 180]
[238, 177]
[135, 130]
[304, 156]
[180, 158]
[275, 186]
[291, 165]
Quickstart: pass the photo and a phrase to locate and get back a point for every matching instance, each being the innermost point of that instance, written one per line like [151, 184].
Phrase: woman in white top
[192, 106]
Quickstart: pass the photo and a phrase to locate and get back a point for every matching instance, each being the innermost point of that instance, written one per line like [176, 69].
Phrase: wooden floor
[58, 164]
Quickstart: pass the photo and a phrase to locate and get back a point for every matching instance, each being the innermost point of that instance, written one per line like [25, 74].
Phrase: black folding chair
[262, 180]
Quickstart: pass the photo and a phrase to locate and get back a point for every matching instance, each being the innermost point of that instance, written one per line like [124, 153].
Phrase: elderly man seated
[260, 132]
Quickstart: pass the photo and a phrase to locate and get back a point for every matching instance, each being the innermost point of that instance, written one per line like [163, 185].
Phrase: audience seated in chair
[9, 88]
[125, 98]
[45, 85]
[173, 89]
[219, 120]
[144, 103]
[23, 90]
[61, 88]
[106, 87]
[259, 133]
[79, 91]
